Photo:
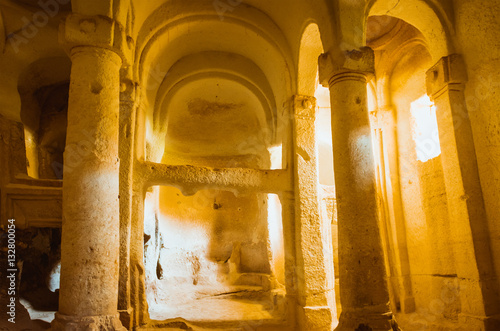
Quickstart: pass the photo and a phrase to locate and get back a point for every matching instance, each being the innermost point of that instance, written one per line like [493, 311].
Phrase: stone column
[386, 118]
[138, 300]
[469, 226]
[363, 288]
[315, 277]
[90, 236]
[127, 120]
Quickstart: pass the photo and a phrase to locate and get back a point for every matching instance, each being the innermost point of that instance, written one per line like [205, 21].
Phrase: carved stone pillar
[363, 289]
[391, 190]
[469, 226]
[90, 236]
[127, 120]
[315, 278]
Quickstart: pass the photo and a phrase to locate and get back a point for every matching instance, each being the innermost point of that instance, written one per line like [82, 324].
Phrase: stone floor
[238, 307]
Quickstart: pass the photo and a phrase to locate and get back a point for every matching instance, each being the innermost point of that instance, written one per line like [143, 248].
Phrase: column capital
[305, 106]
[96, 31]
[448, 70]
[358, 61]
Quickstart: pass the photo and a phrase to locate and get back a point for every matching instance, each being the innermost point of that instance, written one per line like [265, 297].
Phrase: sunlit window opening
[276, 154]
[425, 129]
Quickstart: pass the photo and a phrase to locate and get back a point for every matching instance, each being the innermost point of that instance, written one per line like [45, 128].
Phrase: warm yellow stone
[251, 165]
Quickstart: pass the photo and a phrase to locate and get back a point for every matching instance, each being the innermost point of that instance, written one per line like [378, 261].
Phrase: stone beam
[190, 179]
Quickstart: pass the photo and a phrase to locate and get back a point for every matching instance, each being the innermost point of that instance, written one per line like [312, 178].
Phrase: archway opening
[415, 218]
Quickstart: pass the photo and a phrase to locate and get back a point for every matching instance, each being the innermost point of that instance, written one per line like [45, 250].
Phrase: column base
[367, 320]
[90, 323]
[315, 318]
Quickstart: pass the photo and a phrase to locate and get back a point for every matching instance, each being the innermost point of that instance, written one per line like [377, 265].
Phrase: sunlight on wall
[425, 129]
[324, 134]
[276, 153]
[323, 122]
[275, 227]
[371, 98]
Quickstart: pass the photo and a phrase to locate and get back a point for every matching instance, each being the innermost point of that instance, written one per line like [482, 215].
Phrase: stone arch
[423, 15]
[311, 48]
[169, 35]
[217, 64]
[389, 28]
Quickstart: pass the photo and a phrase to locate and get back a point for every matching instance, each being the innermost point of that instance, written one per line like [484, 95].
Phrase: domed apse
[216, 117]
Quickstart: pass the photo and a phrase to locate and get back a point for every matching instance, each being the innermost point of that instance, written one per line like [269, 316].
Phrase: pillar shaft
[478, 289]
[138, 301]
[90, 235]
[396, 226]
[364, 293]
[127, 120]
[315, 277]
